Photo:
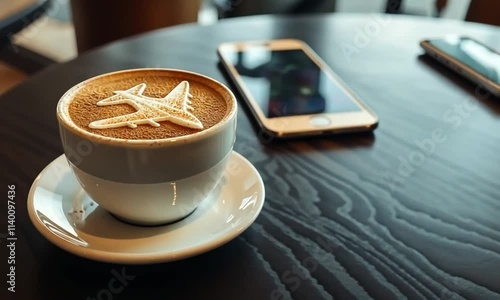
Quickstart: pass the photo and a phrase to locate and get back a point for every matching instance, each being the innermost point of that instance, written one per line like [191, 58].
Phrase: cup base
[149, 224]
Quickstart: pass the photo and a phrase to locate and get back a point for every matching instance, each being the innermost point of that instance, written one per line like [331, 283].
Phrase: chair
[19, 15]
[100, 22]
[484, 11]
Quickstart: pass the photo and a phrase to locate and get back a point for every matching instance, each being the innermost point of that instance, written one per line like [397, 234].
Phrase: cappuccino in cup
[148, 145]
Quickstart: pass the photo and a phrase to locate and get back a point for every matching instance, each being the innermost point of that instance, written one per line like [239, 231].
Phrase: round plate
[69, 218]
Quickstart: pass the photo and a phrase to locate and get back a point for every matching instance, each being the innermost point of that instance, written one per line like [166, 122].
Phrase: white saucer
[67, 217]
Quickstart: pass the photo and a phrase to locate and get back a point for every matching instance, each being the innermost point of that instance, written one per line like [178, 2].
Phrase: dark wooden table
[410, 211]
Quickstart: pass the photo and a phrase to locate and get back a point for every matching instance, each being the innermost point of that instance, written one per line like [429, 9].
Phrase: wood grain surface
[411, 211]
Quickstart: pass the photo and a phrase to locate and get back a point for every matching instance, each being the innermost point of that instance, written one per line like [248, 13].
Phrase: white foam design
[174, 107]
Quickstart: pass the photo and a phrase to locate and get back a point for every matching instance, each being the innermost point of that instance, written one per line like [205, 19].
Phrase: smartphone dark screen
[475, 55]
[288, 82]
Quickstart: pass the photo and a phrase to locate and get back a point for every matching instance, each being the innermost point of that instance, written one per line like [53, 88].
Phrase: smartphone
[291, 91]
[469, 58]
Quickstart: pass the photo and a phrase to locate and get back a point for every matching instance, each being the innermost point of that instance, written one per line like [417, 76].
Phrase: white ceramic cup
[144, 181]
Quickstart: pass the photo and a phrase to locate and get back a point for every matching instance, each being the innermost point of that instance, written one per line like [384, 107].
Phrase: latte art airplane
[174, 107]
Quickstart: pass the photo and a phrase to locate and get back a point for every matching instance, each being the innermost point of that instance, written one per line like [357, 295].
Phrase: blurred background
[37, 33]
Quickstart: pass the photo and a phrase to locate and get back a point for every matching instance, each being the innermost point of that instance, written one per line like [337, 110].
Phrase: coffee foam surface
[208, 105]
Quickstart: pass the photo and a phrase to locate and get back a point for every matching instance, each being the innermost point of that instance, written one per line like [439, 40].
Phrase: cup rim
[65, 120]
